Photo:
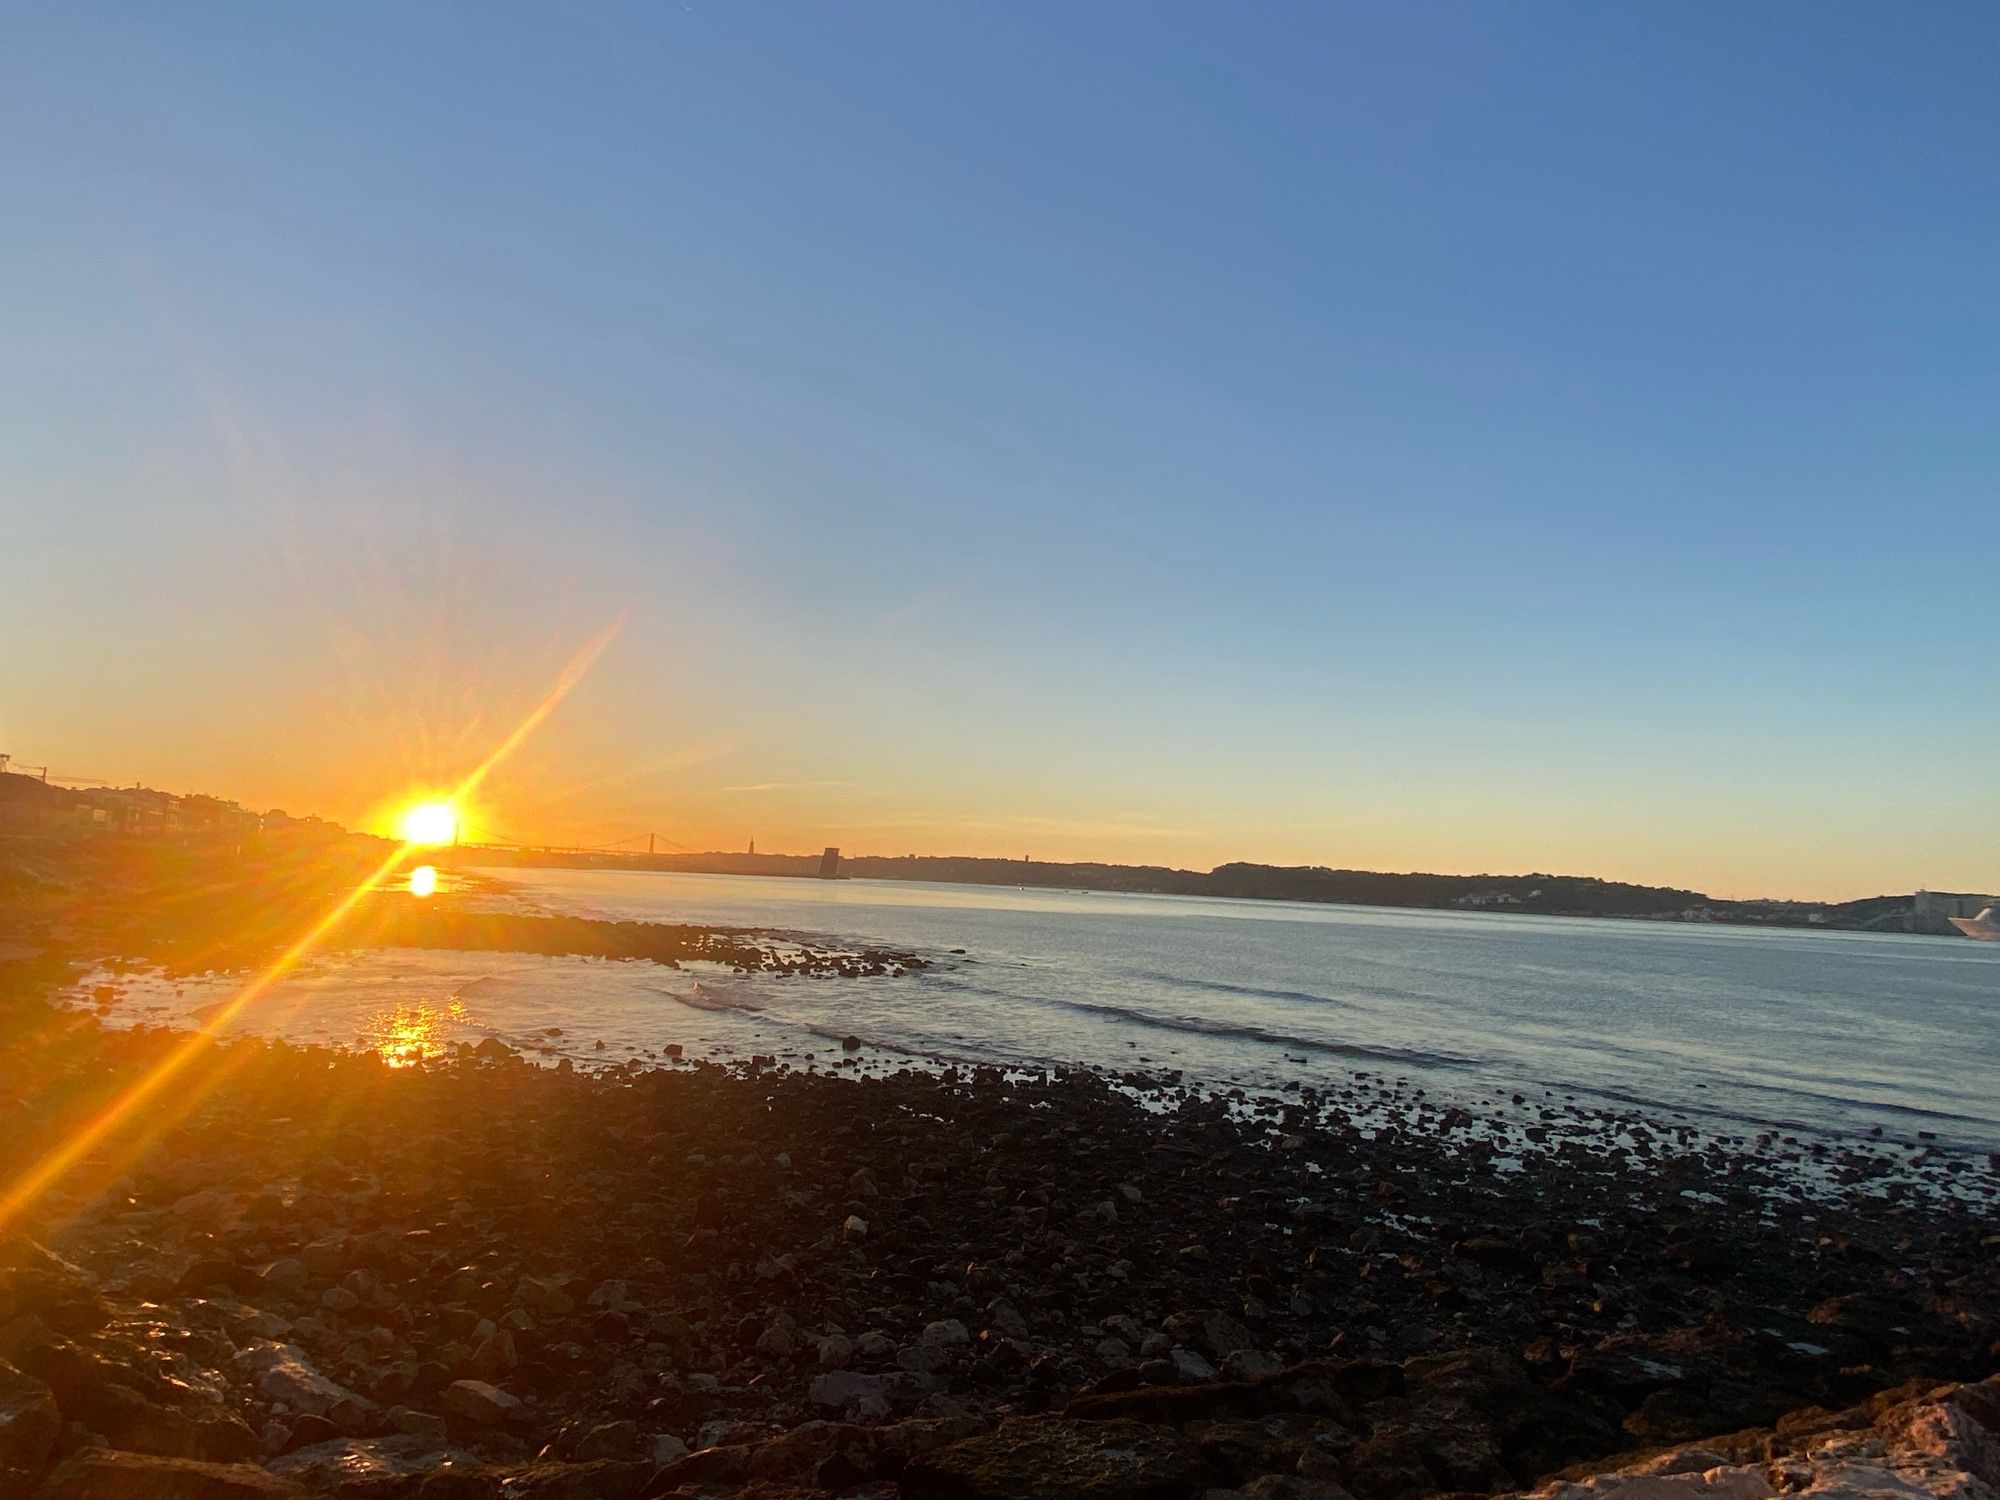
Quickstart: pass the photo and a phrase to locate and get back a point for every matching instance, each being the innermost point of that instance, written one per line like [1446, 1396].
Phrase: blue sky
[1462, 437]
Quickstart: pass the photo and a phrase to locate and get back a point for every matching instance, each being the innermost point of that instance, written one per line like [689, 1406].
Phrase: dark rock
[476, 1401]
[1242, 1449]
[29, 1423]
[1215, 1334]
[1388, 1465]
[1053, 1458]
[609, 1440]
[35, 1281]
[307, 1429]
[108, 1474]
[1291, 1487]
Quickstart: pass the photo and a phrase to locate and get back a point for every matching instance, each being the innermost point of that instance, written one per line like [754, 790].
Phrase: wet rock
[35, 1281]
[350, 1462]
[477, 1401]
[285, 1373]
[109, 1474]
[29, 1423]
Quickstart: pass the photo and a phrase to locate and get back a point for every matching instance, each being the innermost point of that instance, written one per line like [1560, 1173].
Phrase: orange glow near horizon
[63, 1158]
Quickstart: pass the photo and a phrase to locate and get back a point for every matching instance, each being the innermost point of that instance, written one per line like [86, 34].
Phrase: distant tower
[753, 846]
[829, 865]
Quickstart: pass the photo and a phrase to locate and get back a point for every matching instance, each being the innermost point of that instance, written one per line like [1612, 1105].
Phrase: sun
[430, 823]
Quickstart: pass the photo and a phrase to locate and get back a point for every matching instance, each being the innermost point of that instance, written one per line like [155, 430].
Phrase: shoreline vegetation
[300, 1271]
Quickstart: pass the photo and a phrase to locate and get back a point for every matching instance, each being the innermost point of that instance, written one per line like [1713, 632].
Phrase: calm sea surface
[1733, 1029]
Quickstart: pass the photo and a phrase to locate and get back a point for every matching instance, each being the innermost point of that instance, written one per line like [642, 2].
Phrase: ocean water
[1734, 1030]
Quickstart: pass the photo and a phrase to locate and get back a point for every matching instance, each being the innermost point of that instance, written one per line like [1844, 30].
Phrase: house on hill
[29, 804]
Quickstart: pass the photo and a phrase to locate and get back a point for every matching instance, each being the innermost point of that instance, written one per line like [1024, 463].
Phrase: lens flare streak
[86, 1138]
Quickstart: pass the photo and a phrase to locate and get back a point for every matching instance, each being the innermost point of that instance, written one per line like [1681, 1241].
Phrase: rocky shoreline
[485, 1278]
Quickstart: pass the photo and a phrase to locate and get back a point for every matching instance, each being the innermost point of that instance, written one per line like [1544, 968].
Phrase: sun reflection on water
[406, 1035]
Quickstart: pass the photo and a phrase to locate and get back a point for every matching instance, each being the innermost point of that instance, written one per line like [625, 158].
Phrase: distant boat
[1985, 926]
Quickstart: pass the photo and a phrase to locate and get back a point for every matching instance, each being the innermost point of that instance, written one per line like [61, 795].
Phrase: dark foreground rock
[304, 1272]
[106, 1474]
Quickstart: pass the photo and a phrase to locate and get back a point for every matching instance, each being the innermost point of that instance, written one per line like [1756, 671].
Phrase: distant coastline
[31, 806]
[1531, 894]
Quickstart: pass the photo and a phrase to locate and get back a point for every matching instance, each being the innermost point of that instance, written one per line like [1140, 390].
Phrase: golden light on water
[410, 1034]
[85, 1140]
[429, 824]
[424, 880]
